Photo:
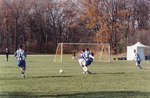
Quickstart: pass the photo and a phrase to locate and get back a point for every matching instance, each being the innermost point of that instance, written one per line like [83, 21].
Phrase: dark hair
[21, 46]
[134, 50]
[87, 49]
[92, 54]
[83, 50]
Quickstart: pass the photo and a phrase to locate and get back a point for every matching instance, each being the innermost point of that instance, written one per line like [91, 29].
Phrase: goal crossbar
[84, 43]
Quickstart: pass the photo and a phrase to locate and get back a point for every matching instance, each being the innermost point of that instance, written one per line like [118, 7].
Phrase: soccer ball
[85, 69]
[61, 71]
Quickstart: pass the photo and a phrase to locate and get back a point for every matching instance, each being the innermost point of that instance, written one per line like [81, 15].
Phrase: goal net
[68, 52]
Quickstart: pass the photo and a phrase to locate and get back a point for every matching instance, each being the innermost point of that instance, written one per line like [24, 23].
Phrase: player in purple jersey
[81, 58]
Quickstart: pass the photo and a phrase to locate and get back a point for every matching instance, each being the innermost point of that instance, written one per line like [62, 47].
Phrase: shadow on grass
[50, 76]
[116, 73]
[119, 73]
[33, 77]
[101, 94]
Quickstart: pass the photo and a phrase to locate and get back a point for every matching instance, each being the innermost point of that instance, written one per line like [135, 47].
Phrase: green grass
[118, 79]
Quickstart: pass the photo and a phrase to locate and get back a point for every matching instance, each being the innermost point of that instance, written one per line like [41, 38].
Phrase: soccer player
[7, 53]
[89, 60]
[138, 59]
[89, 56]
[21, 55]
[82, 61]
[87, 50]
[81, 58]
[87, 53]
[85, 60]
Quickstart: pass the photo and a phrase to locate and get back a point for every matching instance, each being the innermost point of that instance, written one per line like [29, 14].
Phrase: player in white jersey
[87, 52]
[89, 58]
[138, 60]
[85, 59]
[20, 54]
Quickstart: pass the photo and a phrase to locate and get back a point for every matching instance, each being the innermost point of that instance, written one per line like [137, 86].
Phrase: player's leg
[138, 64]
[88, 71]
[73, 57]
[23, 69]
[21, 66]
[7, 57]
[82, 64]
[88, 63]
[84, 67]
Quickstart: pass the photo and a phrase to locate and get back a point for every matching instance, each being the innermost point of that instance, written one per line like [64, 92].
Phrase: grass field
[118, 79]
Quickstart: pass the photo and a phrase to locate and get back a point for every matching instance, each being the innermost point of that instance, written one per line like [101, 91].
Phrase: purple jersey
[80, 56]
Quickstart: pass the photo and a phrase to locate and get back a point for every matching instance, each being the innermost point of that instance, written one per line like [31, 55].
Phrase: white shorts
[82, 62]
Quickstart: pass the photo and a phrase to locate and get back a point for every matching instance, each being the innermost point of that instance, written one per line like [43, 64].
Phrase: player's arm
[135, 57]
[25, 54]
[91, 55]
[15, 54]
[84, 57]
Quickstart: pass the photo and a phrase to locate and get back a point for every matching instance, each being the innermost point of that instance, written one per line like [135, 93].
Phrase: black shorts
[138, 62]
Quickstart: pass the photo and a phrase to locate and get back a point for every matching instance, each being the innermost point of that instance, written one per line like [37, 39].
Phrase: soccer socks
[85, 70]
[140, 66]
[22, 73]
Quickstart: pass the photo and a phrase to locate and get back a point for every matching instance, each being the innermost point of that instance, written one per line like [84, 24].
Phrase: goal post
[64, 51]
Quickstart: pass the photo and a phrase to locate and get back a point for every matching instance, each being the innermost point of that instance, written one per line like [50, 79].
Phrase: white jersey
[20, 54]
[87, 54]
[81, 58]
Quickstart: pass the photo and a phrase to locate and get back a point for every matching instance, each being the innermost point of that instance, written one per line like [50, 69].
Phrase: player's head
[20, 46]
[87, 49]
[92, 54]
[134, 51]
[83, 50]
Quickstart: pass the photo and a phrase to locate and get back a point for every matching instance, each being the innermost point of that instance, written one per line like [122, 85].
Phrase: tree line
[40, 24]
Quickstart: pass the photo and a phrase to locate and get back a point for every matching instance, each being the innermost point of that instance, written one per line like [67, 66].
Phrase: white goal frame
[96, 44]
